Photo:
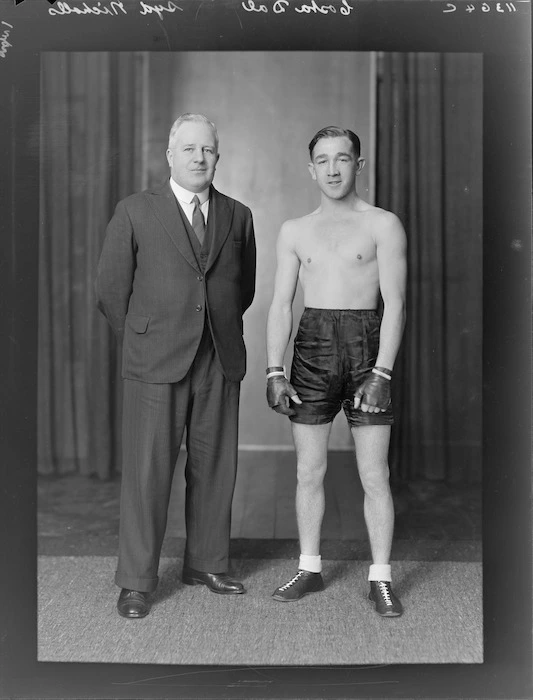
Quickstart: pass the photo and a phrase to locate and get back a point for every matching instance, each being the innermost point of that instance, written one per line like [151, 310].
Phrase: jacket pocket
[138, 323]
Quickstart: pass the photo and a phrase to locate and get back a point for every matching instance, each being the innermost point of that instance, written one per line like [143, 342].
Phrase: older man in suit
[176, 273]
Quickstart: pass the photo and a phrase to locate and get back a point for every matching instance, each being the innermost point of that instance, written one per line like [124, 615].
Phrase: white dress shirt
[185, 198]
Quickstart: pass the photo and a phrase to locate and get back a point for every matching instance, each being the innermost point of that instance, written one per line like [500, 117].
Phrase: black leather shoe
[303, 583]
[217, 583]
[133, 604]
[386, 603]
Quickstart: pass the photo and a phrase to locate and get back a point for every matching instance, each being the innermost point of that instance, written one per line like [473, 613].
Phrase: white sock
[308, 562]
[379, 572]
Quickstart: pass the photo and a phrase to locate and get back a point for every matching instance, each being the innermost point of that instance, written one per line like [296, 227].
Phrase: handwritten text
[314, 7]
[4, 43]
[483, 7]
[115, 7]
[147, 9]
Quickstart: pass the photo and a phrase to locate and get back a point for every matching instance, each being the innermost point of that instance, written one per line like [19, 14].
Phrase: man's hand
[280, 393]
[373, 395]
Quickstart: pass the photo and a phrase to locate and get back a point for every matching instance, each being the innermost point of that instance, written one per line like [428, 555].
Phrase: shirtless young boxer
[345, 253]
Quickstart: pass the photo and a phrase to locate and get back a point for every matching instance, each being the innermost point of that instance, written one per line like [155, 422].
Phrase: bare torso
[337, 254]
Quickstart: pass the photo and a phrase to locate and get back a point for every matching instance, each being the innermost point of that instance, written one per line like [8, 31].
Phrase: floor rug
[442, 622]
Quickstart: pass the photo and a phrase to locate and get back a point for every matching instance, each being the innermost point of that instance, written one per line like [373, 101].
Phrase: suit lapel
[167, 212]
[219, 220]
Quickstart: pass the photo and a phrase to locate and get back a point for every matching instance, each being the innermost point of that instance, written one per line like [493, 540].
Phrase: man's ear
[312, 170]
[169, 157]
[360, 164]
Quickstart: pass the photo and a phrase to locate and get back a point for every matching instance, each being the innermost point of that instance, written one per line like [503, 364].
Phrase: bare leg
[311, 443]
[371, 448]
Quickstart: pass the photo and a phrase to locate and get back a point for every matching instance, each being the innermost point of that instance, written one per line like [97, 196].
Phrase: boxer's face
[192, 156]
[335, 166]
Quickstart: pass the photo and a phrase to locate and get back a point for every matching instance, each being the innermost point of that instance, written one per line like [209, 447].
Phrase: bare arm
[392, 265]
[374, 393]
[280, 392]
[279, 323]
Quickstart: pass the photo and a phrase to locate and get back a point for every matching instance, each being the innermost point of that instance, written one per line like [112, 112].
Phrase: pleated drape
[429, 172]
[90, 158]
[95, 125]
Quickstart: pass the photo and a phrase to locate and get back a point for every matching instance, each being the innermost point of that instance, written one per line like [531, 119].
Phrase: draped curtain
[91, 109]
[94, 130]
[429, 172]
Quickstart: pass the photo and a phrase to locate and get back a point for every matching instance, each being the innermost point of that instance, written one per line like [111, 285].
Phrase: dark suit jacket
[153, 293]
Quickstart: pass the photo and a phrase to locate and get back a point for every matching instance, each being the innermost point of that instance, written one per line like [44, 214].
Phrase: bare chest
[338, 246]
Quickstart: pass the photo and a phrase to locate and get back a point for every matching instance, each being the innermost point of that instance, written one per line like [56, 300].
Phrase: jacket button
[199, 278]
[199, 307]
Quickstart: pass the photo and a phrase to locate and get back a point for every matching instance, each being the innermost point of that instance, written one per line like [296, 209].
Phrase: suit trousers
[155, 417]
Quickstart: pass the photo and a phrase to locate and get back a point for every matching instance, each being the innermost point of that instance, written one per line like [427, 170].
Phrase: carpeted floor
[442, 622]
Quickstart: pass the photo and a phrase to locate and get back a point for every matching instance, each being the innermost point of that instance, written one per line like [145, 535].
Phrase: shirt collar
[185, 196]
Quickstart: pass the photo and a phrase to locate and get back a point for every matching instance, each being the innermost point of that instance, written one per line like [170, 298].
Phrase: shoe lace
[385, 592]
[293, 580]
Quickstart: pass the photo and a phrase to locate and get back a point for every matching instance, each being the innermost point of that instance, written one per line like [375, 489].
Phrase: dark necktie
[198, 222]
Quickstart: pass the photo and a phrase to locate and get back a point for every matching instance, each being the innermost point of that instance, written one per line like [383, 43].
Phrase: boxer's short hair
[333, 131]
